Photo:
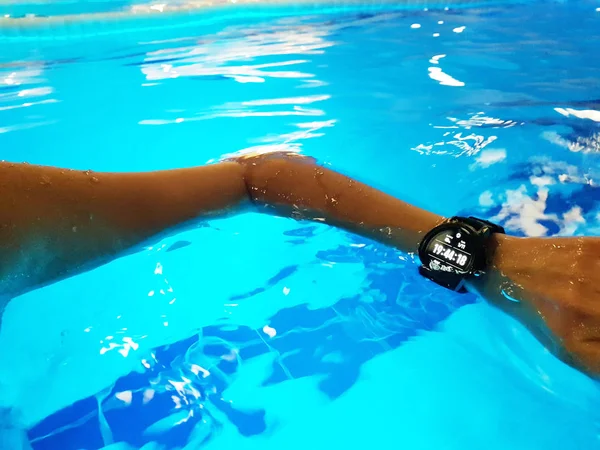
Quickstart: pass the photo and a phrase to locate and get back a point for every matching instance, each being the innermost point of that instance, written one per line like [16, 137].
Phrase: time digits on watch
[456, 250]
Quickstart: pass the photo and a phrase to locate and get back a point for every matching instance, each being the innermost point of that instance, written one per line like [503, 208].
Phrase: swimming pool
[258, 332]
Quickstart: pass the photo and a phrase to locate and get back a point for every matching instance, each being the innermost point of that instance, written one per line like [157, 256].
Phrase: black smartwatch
[456, 250]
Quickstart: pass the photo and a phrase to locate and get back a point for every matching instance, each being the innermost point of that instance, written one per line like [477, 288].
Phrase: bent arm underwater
[55, 223]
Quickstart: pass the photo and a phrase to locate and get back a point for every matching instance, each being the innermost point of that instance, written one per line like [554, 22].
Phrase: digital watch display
[455, 250]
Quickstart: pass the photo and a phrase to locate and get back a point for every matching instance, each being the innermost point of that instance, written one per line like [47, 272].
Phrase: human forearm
[297, 187]
[54, 222]
[57, 222]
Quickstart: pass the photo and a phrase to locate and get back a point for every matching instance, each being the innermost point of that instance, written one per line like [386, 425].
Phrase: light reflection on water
[250, 331]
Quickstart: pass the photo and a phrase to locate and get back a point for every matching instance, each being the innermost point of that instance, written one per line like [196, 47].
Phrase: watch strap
[452, 281]
[480, 225]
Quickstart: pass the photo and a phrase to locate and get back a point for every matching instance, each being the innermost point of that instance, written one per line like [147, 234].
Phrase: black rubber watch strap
[479, 224]
[450, 281]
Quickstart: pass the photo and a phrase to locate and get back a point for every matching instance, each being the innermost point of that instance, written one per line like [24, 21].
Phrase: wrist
[491, 279]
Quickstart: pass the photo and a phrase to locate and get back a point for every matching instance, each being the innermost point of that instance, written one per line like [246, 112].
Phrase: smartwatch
[456, 250]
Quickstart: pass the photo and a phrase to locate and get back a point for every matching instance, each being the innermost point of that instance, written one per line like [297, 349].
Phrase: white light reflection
[436, 73]
[11, 100]
[196, 370]
[459, 29]
[111, 346]
[231, 356]
[468, 145]
[25, 126]
[34, 92]
[307, 130]
[287, 142]
[158, 7]
[486, 199]
[587, 144]
[245, 55]
[185, 419]
[269, 331]
[28, 77]
[124, 348]
[244, 73]
[590, 114]
[179, 386]
[295, 111]
[523, 212]
[148, 395]
[562, 172]
[313, 84]
[125, 396]
[435, 59]
[129, 341]
[247, 79]
[571, 221]
[303, 100]
[488, 157]
[524, 208]
[228, 56]
[224, 57]
[479, 120]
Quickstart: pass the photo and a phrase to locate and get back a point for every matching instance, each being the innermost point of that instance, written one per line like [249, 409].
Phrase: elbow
[264, 172]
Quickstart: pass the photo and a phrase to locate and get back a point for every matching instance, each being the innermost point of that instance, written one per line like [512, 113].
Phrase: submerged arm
[297, 187]
[55, 222]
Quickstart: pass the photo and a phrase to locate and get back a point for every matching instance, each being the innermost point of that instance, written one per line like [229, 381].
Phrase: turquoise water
[258, 332]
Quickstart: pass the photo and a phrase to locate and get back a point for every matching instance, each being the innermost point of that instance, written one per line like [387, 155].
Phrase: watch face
[452, 249]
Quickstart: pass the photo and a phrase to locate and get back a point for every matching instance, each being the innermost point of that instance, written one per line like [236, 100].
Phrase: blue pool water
[257, 332]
